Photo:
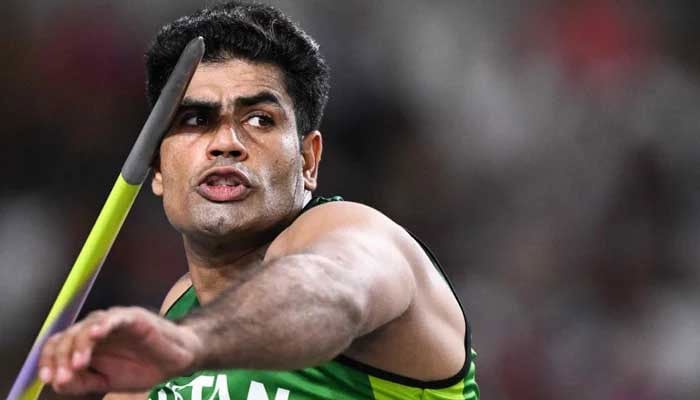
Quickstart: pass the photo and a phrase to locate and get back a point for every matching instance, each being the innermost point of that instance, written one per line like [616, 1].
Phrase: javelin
[134, 171]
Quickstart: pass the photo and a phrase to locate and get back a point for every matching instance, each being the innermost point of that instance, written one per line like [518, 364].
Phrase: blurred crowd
[546, 150]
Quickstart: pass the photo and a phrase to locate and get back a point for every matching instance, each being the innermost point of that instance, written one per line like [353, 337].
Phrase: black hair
[251, 31]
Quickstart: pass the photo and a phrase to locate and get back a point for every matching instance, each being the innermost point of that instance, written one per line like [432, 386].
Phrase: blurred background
[546, 150]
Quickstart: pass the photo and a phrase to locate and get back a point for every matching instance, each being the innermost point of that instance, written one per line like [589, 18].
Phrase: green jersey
[339, 379]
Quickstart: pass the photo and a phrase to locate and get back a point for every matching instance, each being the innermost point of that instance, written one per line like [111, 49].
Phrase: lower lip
[223, 193]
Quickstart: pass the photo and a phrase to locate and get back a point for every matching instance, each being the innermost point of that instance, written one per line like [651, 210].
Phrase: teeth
[219, 180]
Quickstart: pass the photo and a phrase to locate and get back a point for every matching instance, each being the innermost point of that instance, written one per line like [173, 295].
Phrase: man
[287, 297]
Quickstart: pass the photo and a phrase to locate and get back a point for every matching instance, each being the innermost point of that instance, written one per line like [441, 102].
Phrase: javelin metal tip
[197, 42]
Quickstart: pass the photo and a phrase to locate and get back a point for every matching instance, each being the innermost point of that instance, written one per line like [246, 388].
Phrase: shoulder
[346, 213]
[341, 220]
[396, 270]
[175, 292]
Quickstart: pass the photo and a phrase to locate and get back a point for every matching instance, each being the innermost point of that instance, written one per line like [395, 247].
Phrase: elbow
[345, 294]
[353, 308]
[362, 311]
[357, 314]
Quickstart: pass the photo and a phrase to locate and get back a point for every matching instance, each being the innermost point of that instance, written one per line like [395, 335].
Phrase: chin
[218, 228]
[226, 225]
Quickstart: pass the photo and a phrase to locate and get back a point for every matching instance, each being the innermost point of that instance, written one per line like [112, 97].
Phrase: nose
[225, 143]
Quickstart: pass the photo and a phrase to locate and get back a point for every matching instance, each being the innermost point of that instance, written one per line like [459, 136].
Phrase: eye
[194, 119]
[260, 121]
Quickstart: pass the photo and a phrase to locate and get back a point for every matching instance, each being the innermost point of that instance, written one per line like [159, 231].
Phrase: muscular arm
[337, 273]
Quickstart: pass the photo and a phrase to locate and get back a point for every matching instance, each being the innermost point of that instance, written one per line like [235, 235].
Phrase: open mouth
[224, 185]
[222, 180]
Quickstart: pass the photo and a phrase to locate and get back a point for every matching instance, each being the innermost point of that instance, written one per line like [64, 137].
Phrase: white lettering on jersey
[198, 384]
[257, 392]
[221, 388]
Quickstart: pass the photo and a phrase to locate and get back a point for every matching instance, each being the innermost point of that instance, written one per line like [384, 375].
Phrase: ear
[157, 180]
[311, 150]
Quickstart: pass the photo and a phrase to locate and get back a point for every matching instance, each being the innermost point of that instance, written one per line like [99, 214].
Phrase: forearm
[299, 311]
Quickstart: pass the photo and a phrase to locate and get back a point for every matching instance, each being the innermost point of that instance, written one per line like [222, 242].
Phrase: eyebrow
[258, 98]
[190, 102]
[241, 101]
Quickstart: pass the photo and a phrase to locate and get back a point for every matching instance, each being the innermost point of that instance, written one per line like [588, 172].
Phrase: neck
[214, 270]
[218, 264]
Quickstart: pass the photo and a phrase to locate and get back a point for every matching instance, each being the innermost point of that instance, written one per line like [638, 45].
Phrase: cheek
[178, 155]
[286, 165]
[175, 200]
[168, 168]
[170, 191]
[174, 173]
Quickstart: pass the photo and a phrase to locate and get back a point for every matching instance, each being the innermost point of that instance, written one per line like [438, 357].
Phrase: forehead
[224, 81]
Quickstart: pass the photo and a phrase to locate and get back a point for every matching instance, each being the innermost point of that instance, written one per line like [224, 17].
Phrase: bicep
[366, 254]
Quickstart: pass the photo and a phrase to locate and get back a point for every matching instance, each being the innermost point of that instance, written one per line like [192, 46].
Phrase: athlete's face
[232, 166]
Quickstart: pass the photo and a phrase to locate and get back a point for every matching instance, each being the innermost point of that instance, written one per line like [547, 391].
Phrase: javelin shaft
[77, 286]
[83, 273]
